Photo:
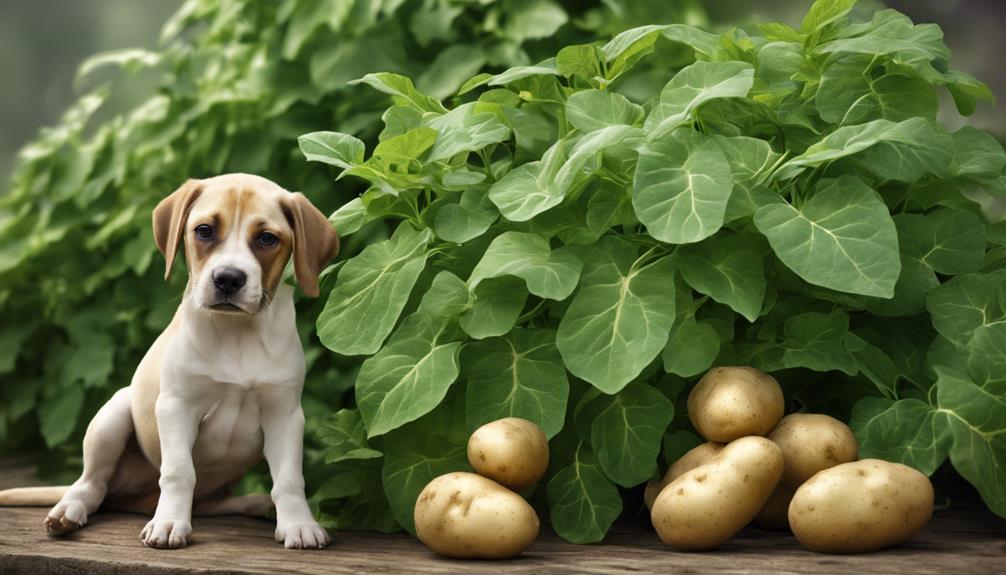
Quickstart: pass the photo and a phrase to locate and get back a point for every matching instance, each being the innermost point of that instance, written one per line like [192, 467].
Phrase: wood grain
[963, 539]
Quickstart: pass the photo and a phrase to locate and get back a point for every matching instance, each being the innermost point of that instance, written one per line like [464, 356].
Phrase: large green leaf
[591, 110]
[548, 274]
[371, 291]
[519, 375]
[963, 306]
[620, 319]
[751, 161]
[462, 130]
[412, 373]
[681, 187]
[947, 241]
[334, 148]
[850, 94]
[693, 86]
[907, 148]
[977, 155]
[583, 503]
[842, 238]
[627, 430]
[906, 431]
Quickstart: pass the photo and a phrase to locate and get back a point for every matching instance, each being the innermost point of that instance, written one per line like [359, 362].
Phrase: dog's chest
[230, 434]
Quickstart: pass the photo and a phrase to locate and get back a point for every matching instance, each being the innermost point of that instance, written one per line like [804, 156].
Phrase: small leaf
[693, 86]
[403, 90]
[583, 503]
[906, 431]
[548, 274]
[589, 110]
[345, 438]
[627, 430]
[333, 148]
[728, 268]
[59, 415]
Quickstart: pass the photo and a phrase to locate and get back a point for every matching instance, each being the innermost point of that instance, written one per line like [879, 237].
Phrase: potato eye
[204, 232]
[267, 240]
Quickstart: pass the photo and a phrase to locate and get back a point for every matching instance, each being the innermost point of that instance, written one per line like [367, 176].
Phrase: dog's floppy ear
[169, 221]
[315, 241]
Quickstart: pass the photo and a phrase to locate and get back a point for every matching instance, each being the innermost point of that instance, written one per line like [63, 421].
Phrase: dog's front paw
[166, 533]
[302, 535]
[65, 517]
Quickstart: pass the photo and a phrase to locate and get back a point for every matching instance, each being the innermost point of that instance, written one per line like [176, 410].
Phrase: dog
[221, 386]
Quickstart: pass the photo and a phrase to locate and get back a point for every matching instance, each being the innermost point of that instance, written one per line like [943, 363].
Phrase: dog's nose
[229, 280]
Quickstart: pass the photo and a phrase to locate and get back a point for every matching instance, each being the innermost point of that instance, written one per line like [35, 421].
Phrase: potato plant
[572, 242]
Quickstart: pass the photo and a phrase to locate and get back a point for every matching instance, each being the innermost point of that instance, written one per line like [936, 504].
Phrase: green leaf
[530, 189]
[751, 161]
[693, 86]
[518, 375]
[977, 155]
[408, 146]
[333, 148]
[627, 430]
[849, 94]
[948, 241]
[403, 91]
[910, 292]
[589, 110]
[843, 238]
[468, 219]
[727, 267]
[906, 431]
[349, 218]
[620, 319]
[370, 292]
[966, 304]
[411, 375]
[345, 438]
[532, 18]
[496, 305]
[548, 274]
[582, 60]
[826, 12]
[813, 340]
[583, 503]
[692, 347]
[910, 147]
[461, 130]
[58, 415]
[419, 452]
[681, 187]
[975, 417]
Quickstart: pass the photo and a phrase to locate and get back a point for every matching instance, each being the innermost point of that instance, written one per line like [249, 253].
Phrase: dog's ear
[315, 241]
[169, 221]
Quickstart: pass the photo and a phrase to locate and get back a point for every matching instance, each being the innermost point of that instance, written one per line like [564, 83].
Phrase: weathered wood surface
[962, 539]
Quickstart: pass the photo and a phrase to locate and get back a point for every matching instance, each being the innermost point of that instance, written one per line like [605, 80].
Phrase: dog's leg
[283, 428]
[177, 425]
[104, 442]
[252, 505]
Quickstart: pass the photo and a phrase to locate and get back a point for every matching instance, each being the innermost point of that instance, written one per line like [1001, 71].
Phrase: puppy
[221, 386]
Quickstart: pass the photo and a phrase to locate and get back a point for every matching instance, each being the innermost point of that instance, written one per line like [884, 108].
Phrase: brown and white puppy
[221, 386]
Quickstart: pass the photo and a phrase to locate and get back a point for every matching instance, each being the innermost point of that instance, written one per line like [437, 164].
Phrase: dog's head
[239, 233]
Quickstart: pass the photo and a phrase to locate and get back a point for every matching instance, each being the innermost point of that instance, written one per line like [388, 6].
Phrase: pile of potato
[469, 515]
[798, 471]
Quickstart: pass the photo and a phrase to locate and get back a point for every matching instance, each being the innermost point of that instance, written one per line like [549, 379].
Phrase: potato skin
[699, 455]
[709, 504]
[811, 442]
[861, 506]
[732, 402]
[468, 516]
[511, 451]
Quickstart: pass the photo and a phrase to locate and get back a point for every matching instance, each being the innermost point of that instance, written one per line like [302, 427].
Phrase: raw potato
[466, 515]
[811, 442]
[861, 506]
[732, 402]
[711, 503]
[695, 457]
[775, 514]
[510, 451]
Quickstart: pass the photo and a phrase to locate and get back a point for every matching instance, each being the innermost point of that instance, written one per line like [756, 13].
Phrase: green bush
[81, 289]
[576, 240]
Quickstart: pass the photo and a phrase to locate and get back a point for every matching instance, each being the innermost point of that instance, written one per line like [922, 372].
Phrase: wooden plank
[963, 539]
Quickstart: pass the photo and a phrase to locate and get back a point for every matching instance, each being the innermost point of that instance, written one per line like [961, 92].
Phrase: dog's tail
[32, 496]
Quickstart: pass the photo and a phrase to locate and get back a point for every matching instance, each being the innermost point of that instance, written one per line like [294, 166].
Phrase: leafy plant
[576, 239]
[81, 292]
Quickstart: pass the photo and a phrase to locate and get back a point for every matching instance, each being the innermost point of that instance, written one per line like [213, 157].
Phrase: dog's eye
[267, 240]
[204, 232]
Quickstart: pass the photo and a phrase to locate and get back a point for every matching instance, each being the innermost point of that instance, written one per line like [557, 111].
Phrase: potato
[693, 458]
[711, 503]
[466, 515]
[811, 442]
[861, 506]
[732, 402]
[775, 514]
[511, 451]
